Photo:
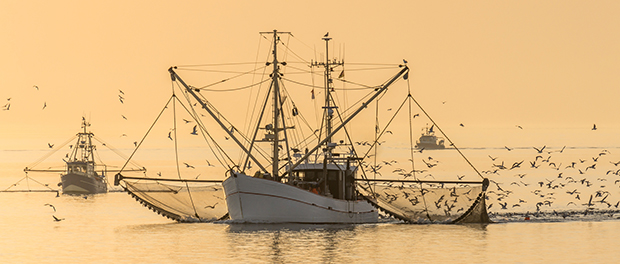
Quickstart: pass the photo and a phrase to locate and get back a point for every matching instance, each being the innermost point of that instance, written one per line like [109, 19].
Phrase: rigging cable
[51, 153]
[176, 148]
[147, 133]
[447, 138]
[205, 133]
[249, 114]
[413, 172]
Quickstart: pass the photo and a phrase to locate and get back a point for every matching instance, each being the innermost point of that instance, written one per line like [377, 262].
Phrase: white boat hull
[256, 200]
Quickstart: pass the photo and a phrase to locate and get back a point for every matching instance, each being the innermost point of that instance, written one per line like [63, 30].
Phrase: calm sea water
[114, 228]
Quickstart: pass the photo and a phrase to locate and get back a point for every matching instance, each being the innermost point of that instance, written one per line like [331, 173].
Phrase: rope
[147, 133]
[54, 150]
[206, 133]
[444, 134]
[176, 149]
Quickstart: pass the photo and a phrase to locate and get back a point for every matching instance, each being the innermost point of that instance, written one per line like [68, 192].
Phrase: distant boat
[428, 140]
[82, 175]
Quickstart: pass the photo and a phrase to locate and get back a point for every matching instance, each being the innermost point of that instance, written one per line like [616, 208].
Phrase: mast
[329, 105]
[83, 149]
[365, 104]
[276, 127]
[276, 107]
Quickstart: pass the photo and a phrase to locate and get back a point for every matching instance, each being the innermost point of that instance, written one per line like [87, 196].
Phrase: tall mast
[328, 84]
[276, 127]
[276, 106]
[83, 149]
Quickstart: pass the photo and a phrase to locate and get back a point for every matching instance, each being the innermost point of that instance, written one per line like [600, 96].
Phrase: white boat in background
[428, 140]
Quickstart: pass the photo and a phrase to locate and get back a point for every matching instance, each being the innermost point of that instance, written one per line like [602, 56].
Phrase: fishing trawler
[82, 175]
[428, 140]
[317, 179]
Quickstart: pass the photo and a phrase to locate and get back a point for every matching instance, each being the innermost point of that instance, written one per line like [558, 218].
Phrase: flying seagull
[50, 206]
[195, 131]
[56, 219]
[211, 206]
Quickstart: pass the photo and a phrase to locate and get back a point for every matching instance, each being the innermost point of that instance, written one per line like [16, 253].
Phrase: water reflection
[283, 243]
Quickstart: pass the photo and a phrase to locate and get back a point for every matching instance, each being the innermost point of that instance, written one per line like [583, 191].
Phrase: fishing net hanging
[193, 202]
[429, 202]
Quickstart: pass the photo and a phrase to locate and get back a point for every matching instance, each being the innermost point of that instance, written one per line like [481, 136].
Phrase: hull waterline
[73, 183]
[255, 200]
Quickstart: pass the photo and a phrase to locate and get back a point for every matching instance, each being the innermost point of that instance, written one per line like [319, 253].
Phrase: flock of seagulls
[577, 187]
[551, 182]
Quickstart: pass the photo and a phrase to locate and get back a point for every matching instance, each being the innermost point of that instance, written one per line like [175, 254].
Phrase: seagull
[121, 91]
[36, 87]
[159, 174]
[211, 206]
[124, 117]
[404, 61]
[594, 127]
[50, 145]
[326, 35]
[56, 219]
[539, 150]
[195, 131]
[44, 105]
[189, 166]
[187, 121]
[50, 206]
[170, 135]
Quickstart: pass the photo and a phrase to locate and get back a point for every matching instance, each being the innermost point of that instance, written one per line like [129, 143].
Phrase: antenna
[328, 112]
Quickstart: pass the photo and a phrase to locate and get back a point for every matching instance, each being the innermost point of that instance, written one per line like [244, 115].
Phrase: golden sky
[545, 65]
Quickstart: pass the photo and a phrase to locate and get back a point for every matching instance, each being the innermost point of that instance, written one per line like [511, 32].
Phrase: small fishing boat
[82, 175]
